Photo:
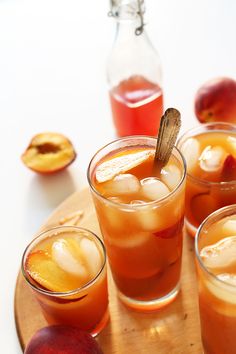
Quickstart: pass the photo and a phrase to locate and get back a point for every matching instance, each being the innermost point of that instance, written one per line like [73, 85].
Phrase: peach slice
[121, 164]
[48, 153]
[202, 205]
[171, 231]
[229, 169]
[44, 271]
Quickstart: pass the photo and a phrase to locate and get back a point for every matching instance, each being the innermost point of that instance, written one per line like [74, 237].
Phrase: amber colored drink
[141, 219]
[137, 107]
[216, 269]
[210, 153]
[66, 269]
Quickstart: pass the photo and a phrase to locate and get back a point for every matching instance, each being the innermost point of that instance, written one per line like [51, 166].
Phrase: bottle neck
[129, 16]
[127, 30]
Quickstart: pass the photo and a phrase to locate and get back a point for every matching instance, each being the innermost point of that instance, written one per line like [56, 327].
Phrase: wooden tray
[174, 329]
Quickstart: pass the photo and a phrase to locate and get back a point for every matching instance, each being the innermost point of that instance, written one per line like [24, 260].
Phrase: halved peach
[48, 153]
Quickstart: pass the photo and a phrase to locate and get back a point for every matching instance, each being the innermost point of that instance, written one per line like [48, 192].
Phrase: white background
[52, 78]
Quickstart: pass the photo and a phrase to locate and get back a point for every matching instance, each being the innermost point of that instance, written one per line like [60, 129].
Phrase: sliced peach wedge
[48, 153]
[202, 205]
[44, 271]
[229, 169]
[109, 169]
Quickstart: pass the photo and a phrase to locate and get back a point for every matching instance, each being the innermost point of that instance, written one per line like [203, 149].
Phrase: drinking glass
[143, 238]
[215, 249]
[85, 306]
[204, 196]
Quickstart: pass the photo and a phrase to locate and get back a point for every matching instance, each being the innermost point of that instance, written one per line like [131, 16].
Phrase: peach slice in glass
[229, 169]
[46, 272]
[108, 169]
[202, 205]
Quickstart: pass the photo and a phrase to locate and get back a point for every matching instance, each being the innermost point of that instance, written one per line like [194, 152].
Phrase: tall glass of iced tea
[66, 269]
[215, 247]
[141, 219]
[210, 153]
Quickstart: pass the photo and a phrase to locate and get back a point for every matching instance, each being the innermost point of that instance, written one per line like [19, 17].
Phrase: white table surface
[52, 78]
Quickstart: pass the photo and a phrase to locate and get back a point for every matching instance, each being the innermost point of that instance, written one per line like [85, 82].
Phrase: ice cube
[220, 255]
[191, 151]
[130, 240]
[137, 202]
[223, 292]
[178, 208]
[115, 199]
[153, 188]
[228, 278]
[212, 158]
[122, 184]
[229, 227]
[65, 260]
[117, 165]
[149, 219]
[112, 216]
[171, 176]
[92, 255]
[232, 143]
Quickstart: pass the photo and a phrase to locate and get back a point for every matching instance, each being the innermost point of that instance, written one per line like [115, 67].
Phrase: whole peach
[216, 101]
[61, 339]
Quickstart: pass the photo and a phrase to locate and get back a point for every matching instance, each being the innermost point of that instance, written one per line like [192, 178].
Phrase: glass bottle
[134, 73]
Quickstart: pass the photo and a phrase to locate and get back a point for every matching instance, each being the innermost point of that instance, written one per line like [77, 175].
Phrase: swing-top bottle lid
[128, 10]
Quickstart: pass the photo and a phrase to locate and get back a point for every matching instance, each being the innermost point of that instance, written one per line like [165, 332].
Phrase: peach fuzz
[216, 101]
[62, 339]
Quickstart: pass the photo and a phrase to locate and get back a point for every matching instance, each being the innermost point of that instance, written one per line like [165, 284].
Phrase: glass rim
[62, 293]
[138, 206]
[182, 138]
[221, 211]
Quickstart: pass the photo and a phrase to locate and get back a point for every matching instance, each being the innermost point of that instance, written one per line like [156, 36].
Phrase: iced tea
[137, 106]
[210, 153]
[141, 219]
[216, 268]
[66, 269]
